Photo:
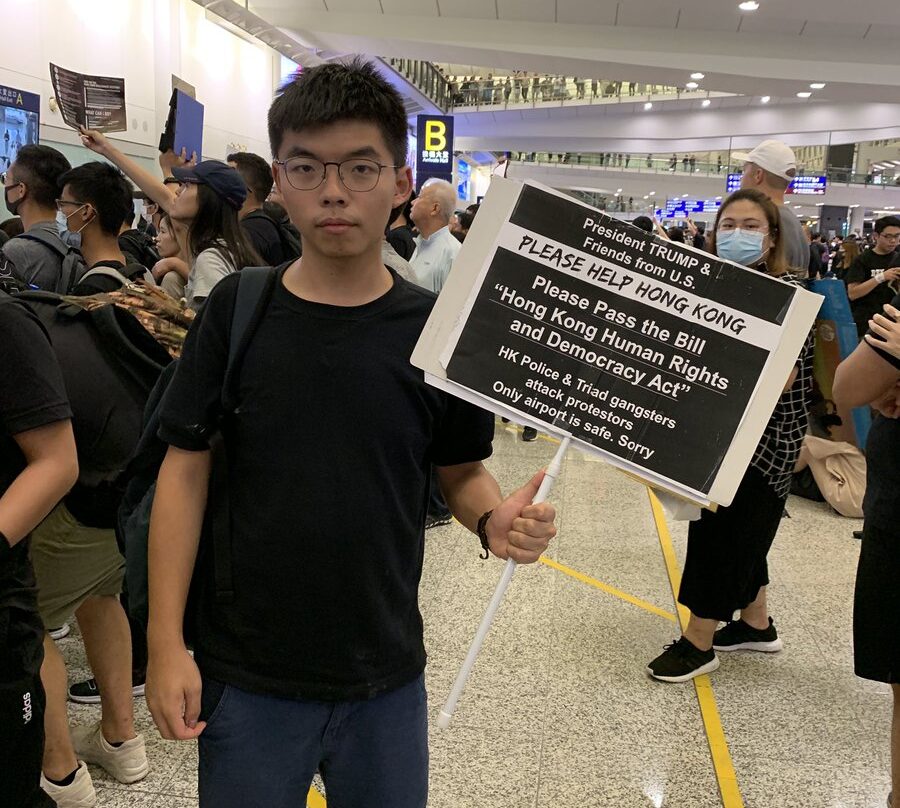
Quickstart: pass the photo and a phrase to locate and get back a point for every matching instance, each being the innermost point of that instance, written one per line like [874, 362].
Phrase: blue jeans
[262, 752]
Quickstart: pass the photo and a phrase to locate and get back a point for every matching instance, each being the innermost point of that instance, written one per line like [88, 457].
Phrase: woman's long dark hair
[216, 226]
[776, 260]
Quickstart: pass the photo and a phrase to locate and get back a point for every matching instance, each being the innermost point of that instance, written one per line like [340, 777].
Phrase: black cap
[221, 177]
[643, 222]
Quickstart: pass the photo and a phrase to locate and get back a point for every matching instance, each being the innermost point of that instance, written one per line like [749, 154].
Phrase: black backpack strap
[255, 286]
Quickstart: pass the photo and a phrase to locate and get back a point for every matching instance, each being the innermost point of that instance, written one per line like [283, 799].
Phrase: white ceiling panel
[770, 24]
[648, 13]
[527, 10]
[695, 19]
[884, 31]
[832, 30]
[413, 8]
[580, 12]
[468, 9]
[267, 7]
[354, 6]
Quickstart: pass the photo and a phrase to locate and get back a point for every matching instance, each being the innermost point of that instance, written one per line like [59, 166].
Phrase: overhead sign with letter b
[434, 157]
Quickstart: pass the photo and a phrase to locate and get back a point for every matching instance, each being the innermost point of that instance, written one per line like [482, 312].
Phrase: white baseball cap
[774, 156]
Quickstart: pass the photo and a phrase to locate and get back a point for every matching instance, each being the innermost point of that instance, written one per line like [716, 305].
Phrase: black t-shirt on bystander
[882, 502]
[32, 395]
[330, 453]
[860, 271]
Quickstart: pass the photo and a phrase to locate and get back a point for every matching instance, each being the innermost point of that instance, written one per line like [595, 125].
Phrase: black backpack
[72, 266]
[288, 235]
[110, 364]
[213, 565]
[139, 247]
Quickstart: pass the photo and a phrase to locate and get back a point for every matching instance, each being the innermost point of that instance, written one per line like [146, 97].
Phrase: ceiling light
[803, 95]
[765, 99]
[652, 193]
[706, 102]
[648, 105]
[618, 190]
[684, 196]
[854, 206]
[817, 86]
[646, 197]
[697, 76]
[748, 5]
[692, 85]
[718, 198]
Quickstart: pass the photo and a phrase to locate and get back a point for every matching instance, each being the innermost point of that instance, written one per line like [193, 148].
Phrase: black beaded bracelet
[482, 535]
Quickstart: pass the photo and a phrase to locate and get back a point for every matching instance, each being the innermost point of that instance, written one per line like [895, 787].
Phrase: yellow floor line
[314, 799]
[718, 745]
[610, 590]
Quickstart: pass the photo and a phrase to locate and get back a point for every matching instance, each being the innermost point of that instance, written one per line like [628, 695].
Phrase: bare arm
[149, 184]
[51, 470]
[861, 378]
[174, 685]
[858, 290]
[517, 529]
[175, 523]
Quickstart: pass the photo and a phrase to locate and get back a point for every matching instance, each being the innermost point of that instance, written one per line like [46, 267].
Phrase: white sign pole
[462, 677]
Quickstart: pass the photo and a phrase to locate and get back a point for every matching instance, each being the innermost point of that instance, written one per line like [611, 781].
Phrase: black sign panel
[434, 158]
[94, 102]
[646, 350]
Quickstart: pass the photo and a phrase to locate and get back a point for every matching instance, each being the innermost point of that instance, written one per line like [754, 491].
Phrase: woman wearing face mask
[725, 569]
[171, 272]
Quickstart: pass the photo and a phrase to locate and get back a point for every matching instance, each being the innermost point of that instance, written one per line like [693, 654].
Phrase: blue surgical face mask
[741, 246]
[69, 238]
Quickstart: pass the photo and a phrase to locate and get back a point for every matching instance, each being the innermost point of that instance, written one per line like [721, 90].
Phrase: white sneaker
[78, 794]
[126, 763]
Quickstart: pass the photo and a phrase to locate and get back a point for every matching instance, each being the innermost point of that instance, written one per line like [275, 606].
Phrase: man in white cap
[769, 168]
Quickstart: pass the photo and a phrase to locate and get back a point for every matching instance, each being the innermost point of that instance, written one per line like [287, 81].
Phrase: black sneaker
[529, 433]
[438, 521]
[858, 534]
[682, 661]
[740, 636]
[88, 692]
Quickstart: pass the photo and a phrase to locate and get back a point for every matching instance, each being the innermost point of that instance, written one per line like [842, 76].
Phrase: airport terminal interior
[647, 111]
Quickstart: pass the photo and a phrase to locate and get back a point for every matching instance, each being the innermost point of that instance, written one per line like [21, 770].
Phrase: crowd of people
[292, 292]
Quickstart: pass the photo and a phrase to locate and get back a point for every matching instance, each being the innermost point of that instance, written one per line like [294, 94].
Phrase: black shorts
[726, 553]
[876, 606]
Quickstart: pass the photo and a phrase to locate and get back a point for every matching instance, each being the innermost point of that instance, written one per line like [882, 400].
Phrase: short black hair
[676, 234]
[643, 223]
[334, 92]
[256, 173]
[107, 190]
[886, 221]
[465, 220]
[40, 168]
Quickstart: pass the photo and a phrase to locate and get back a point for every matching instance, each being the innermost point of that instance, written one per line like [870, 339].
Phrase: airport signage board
[434, 148]
[805, 184]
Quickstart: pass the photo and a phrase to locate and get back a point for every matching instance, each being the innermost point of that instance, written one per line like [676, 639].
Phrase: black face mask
[12, 207]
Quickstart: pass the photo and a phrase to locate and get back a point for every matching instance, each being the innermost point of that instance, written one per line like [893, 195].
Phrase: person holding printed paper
[316, 660]
[725, 569]
[871, 375]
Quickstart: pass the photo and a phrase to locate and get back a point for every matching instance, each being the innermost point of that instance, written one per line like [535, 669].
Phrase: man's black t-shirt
[32, 395]
[330, 452]
[860, 271]
[100, 283]
[882, 502]
[266, 239]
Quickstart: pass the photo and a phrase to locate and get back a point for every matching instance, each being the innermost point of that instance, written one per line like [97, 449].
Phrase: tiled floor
[559, 711]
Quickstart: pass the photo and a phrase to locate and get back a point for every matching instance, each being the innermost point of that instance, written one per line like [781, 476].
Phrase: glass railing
[425, 77]
[535, 91]
[679, 164]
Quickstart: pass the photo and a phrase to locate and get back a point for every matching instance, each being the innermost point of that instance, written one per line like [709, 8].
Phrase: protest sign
[94, 102]
[664, 359]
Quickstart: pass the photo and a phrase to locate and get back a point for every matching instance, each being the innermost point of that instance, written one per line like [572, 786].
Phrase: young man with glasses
[874, 273]
[316, 660]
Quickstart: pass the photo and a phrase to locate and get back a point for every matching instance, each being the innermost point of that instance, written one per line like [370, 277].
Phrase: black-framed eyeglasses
[307, 173]
[61, 203]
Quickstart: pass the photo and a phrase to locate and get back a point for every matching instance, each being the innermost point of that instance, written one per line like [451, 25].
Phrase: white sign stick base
[463, 676]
